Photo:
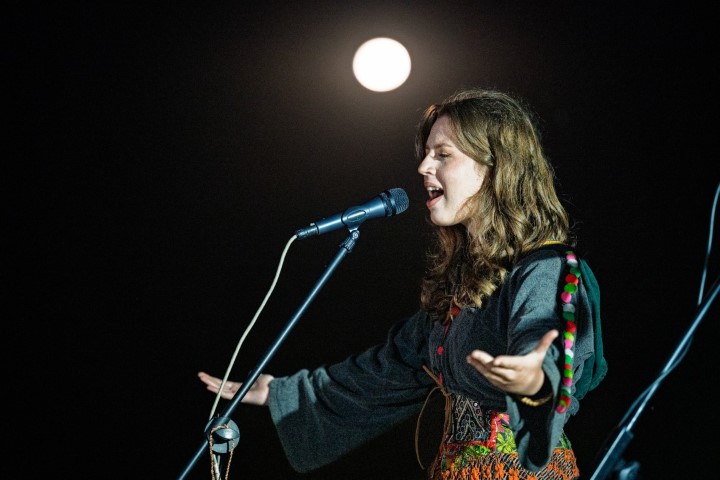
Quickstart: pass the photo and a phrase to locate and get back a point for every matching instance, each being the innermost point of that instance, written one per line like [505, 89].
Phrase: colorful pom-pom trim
[567, 298]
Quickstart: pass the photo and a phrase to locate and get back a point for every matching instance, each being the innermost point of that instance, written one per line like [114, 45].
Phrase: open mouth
[435, 192]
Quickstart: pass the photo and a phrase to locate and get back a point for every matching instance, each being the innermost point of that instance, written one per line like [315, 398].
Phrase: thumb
[546, 341]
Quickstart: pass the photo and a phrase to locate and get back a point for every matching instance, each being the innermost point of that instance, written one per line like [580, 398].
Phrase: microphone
[387, 203]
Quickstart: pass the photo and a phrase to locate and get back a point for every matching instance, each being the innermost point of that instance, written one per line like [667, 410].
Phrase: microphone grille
[398, 199]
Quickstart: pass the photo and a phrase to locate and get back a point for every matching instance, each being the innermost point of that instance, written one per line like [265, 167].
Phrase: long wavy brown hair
[516, 210]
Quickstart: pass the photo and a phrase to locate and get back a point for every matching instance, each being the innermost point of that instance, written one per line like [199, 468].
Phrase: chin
[442, 222]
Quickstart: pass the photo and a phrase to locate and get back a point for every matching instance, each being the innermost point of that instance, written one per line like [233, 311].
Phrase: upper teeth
[432, 189]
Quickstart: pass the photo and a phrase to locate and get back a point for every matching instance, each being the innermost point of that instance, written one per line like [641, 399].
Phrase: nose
[427, 166]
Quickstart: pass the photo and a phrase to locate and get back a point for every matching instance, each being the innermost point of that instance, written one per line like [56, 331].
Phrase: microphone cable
[250, 326]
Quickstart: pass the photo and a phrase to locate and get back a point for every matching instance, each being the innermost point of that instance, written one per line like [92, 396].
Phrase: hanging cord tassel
[446, 421]
[215, 466]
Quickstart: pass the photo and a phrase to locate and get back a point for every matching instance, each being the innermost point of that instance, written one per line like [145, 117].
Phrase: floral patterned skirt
[479, 445]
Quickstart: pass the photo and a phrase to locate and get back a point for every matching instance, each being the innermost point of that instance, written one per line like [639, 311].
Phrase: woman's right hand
[257, 395]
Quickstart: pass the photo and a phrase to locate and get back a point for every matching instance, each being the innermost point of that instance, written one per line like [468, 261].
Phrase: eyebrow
[440, 145]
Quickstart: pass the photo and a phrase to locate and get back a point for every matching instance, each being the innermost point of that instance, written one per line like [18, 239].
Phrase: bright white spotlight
[381, 64]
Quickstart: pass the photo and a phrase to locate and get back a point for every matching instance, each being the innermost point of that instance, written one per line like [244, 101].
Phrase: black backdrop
[161, 155]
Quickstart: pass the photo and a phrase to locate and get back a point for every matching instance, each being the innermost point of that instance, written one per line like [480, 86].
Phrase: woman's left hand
[515, 374]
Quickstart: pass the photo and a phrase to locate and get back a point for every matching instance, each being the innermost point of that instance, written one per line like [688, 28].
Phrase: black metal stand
[612, 465]
[221, 431]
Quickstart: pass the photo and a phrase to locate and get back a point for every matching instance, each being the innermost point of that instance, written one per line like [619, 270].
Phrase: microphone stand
[221, 431]
[612, 461]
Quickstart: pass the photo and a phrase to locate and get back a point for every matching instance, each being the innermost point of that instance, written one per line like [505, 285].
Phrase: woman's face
[450, 177]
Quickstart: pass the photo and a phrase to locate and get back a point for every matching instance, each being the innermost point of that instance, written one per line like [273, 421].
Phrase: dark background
[161, 155]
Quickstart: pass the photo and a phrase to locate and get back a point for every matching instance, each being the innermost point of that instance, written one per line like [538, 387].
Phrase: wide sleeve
[323, 414]
[535, 309]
